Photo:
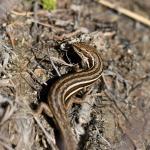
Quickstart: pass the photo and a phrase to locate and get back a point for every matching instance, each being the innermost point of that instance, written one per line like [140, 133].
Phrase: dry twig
[125, 12]
[50, 140]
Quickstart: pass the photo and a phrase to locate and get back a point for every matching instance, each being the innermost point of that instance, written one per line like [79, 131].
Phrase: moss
[49, 4]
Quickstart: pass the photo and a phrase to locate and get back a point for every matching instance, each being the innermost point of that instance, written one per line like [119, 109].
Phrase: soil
[35, 50]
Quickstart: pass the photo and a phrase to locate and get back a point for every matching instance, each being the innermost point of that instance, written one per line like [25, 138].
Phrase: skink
[64, 88]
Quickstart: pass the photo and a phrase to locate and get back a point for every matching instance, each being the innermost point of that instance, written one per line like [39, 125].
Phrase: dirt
[35, 51]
